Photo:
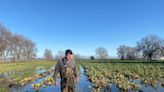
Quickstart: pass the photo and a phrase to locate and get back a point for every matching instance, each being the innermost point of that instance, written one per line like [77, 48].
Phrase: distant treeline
[15, 47]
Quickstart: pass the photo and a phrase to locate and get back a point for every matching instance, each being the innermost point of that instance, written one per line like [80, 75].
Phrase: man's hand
[54, 82]
[77, 79]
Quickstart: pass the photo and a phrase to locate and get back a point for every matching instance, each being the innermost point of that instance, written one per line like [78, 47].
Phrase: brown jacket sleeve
[76, 72]
[77, 75]
[57, 70]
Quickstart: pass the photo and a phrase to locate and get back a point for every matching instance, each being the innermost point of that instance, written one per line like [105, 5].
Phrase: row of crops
[125, 76]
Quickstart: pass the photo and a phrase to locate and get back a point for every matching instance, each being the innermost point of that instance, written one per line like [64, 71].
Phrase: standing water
[83, 85]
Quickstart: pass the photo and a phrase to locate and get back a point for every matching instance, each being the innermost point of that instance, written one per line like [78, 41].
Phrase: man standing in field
[67, 69]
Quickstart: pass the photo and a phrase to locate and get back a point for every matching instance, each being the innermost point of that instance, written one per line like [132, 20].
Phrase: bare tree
[122, 51]
[126, 52]
[132, 53]
[18, 46]
[30, 50]
[15, 46]
[5, 37]
[102, 53]
[150, 46]
[48, 54]
[162, 51]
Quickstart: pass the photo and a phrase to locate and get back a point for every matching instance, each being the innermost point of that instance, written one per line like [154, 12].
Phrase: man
[66, 67]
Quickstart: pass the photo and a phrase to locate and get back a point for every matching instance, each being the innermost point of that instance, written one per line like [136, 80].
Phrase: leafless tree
[132, 53]
[150, 46]
[18, 46]
[102, 53]
[122, 51]
[15, 46]
[48, 54]
[30, 50]
[126, 52]
[5, 37]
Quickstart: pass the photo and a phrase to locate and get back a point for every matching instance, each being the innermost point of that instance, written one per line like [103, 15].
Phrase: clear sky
[83, 25]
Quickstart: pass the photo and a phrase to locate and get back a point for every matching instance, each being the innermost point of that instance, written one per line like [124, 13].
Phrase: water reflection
[83, 86]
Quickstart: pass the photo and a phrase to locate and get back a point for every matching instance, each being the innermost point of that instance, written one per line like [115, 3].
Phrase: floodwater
[84, 85]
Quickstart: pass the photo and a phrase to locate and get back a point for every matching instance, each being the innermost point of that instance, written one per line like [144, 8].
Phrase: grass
[20, 70]
[2, 90]
[98, 71]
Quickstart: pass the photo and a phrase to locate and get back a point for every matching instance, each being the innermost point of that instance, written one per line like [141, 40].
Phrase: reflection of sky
[83, 86]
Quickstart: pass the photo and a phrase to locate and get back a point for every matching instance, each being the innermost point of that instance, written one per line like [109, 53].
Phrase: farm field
[132, 76]
[95, 76]
[22, 73]
[82, 46]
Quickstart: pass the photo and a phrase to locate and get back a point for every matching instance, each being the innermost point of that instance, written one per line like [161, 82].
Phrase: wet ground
[83, 85]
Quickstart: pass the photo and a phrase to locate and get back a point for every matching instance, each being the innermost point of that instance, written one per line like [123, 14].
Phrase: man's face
[69, 57]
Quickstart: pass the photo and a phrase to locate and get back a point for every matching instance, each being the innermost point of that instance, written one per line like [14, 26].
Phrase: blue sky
[83, 25]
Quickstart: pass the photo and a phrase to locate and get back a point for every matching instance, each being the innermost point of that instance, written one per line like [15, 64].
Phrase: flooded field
[94, 77]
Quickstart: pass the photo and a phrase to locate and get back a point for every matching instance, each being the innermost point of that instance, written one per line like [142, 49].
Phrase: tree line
[15, 47]
[148, 48]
